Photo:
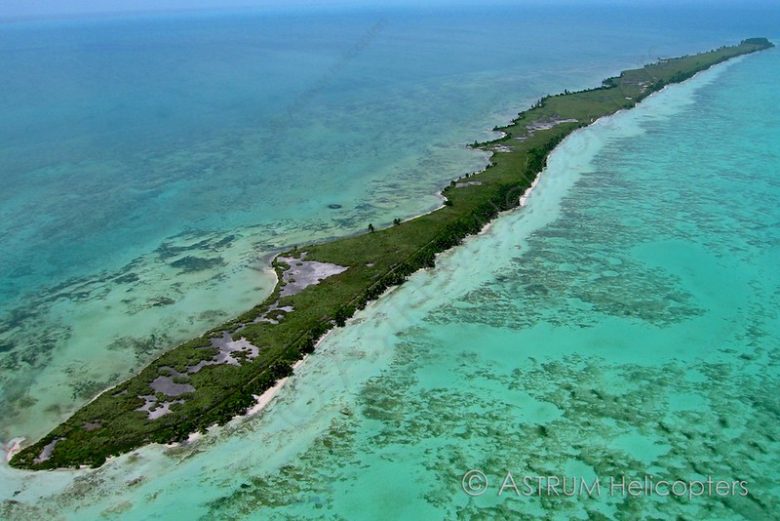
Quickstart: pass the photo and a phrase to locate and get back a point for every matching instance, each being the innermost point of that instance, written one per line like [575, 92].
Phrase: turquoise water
[128, 145]
[624, 322]
[151, 164]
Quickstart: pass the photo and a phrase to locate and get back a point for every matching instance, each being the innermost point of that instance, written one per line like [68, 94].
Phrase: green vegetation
[112, 424]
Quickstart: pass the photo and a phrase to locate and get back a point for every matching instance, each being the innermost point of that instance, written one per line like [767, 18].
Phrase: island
[219, 375]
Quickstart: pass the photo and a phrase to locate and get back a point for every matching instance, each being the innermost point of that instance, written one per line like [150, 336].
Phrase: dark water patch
[127, 278]
[212, 316]
[16, 317]
[192, 264]
[21, 400]
[170, 248]
[45, 339]
[224, 242]
[162, 301]
[142, 347]
[84, 389]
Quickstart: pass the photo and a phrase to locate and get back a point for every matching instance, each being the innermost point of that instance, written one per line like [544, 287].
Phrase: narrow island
[217, 376]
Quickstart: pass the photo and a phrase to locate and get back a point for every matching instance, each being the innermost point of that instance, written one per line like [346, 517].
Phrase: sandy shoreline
[265, 399]
[13, 446]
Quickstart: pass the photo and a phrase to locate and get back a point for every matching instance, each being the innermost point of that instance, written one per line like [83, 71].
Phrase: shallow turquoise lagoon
[623, 323]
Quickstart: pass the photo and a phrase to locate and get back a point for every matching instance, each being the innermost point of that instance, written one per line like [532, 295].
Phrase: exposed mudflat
[303, 273]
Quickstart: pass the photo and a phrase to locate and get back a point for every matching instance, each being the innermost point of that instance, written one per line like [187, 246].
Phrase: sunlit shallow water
[625, 322]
